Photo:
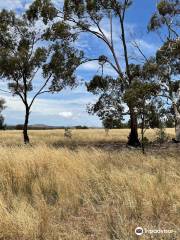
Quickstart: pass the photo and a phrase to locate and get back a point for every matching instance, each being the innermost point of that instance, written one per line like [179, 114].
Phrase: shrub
[162, 136]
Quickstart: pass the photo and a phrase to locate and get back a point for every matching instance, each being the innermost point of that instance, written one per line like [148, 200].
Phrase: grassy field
[50, 192]
[56, 137]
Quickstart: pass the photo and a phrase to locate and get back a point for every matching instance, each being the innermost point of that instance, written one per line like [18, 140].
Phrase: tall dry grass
[49, 193]
[89, 136]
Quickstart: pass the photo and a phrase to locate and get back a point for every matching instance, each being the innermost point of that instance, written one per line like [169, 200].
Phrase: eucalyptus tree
[35, 60]
[108, 107]
[142, 95]
[89, 16]
[166, 23]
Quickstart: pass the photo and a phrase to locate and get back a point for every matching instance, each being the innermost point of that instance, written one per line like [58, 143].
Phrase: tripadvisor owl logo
[139, 231]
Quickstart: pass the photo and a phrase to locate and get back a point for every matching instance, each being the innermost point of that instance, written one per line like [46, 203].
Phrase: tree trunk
[177, 118]
[142, 132]
[177, 129]
[25, 128]
[133, 136]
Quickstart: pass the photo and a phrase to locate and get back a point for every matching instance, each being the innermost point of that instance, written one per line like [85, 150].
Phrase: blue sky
[69, 106]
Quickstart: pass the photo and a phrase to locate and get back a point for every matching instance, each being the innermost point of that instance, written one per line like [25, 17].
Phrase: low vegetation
[79, 137]
[48, 192]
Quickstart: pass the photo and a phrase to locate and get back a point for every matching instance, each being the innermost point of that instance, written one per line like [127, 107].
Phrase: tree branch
[40, 91]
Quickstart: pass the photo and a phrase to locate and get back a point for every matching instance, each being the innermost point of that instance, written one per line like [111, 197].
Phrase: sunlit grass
[54, 193]
[78, 136]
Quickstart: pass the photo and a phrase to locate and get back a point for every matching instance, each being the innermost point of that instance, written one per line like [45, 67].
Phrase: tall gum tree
[166, 23]
[87, 16]
[34, 45]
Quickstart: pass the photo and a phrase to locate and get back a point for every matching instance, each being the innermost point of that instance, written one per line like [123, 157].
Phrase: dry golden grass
[50, 193]
[56, 137]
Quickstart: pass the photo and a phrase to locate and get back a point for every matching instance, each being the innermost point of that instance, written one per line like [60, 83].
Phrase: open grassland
[51, 193]
[79, 137]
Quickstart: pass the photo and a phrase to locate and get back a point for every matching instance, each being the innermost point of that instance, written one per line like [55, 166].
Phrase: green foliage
[99, 84]
[89, 16]
[142, 87]
[41, 9]
[162, 136]
[29, 46]
[25, 54]
[139, 93]
[81, 127]
[167, 14]
[166, 21]
[109, 106]
[60, 30]
[166, 7]
[95, 7]
[154, 114]
[168, 62]
[6, 18]
[170, 121]
[169, 56]
[110, 122]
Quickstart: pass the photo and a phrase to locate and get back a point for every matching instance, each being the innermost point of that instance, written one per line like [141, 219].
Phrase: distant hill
[42, 127]
[33, 127]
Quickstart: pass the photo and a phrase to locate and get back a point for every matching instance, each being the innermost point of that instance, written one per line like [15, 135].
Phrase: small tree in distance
[32, 45]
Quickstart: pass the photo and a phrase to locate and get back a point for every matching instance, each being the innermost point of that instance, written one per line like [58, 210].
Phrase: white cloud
[47, 106]
[11, 4]
[58, 2]
[65, 107]
[90, 66]
[66, 114]
[22, 4]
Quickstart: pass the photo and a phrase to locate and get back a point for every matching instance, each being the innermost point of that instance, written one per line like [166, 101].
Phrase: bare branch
[135, 44]
[40, 91]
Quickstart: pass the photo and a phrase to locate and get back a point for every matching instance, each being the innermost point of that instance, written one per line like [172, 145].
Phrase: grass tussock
[48, 193]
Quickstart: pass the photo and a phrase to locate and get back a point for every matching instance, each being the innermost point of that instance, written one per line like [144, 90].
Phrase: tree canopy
[29, 47]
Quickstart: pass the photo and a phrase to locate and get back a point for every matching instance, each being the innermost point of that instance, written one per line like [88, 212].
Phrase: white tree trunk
[178, 128]
[177, 117]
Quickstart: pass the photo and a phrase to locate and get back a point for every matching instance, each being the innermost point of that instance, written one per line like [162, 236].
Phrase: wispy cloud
[51, 111]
